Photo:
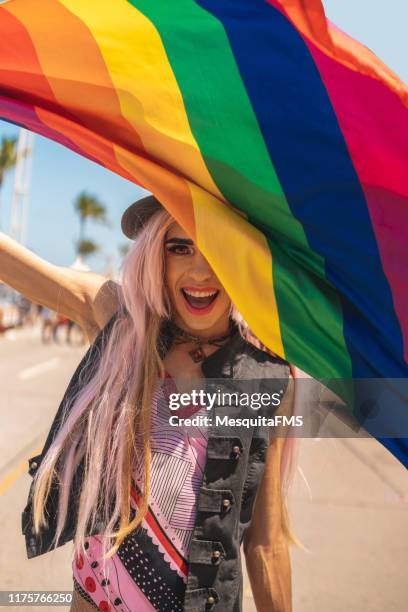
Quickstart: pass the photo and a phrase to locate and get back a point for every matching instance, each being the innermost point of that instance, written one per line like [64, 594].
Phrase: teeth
[200, 293]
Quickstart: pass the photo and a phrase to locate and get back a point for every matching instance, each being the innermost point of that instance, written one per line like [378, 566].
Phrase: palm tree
[8, 157]
[123, 249]
[89, 207]
[87, 247]
[84, 248]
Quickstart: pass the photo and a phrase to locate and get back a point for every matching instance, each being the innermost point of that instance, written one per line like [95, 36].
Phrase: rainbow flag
[277, 141]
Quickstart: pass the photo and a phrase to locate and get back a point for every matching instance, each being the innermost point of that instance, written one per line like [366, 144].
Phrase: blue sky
[58, 175]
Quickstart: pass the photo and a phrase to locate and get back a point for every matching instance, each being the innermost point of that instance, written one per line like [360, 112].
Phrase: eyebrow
[179, 241]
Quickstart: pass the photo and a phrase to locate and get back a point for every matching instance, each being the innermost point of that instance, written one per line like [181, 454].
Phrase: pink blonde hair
[111, 413]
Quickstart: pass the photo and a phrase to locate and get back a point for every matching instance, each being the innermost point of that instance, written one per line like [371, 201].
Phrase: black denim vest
[233, 470]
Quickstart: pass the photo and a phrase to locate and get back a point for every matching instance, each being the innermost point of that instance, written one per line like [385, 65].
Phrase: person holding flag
[157, 516]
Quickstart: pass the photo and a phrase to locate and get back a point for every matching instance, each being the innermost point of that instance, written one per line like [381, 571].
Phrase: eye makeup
[179, 246]
[184, 241]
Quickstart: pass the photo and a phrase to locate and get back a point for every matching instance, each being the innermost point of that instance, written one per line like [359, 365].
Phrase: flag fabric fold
[254, 121]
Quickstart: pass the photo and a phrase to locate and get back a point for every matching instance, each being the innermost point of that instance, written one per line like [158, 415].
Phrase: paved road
[349, 504]
[33, 378]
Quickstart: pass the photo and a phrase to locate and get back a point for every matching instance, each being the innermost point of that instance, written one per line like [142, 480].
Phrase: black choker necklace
[180, 336]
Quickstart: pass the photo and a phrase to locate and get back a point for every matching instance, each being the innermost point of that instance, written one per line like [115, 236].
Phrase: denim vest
[234, 465]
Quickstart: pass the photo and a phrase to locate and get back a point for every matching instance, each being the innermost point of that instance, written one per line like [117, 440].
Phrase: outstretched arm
[265, 544]
[86, 298]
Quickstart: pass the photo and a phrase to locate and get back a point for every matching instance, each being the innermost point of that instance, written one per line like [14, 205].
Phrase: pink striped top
[149, 571]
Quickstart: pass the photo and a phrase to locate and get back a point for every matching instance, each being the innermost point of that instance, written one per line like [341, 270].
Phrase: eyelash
[175, 250]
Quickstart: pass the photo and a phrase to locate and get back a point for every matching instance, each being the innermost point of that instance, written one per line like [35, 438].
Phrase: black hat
[135, 217]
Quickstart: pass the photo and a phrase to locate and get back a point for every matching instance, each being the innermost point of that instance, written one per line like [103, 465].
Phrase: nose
[200, 269]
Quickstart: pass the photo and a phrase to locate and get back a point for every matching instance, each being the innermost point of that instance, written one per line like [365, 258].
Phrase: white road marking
[21, 334]
[38, 369]
[9, 335]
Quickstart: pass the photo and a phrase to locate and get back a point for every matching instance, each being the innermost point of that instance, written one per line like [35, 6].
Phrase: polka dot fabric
[149, 571]
[110, 588]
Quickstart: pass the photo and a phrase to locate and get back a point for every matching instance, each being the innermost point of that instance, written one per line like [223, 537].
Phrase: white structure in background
[79, 264]
[22, 179]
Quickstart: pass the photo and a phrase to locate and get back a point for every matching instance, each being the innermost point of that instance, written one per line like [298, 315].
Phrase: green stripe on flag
[228, 134]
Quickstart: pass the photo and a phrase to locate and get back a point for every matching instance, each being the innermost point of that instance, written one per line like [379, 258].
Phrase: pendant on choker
[197, 354]
[180, 336]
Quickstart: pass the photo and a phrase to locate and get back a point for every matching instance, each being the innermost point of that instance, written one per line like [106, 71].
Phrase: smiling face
[199, 302]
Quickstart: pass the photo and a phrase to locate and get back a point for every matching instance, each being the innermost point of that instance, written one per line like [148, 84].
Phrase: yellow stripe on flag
[239, 249]
[145, 83]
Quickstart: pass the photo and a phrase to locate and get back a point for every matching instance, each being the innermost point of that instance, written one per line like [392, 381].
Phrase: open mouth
[199, 300]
